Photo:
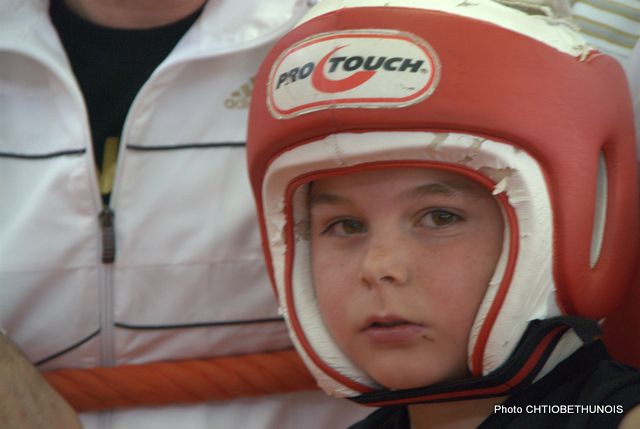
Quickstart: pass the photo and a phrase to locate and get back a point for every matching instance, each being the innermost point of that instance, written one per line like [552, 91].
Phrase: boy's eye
[345, 227]
[439, 218]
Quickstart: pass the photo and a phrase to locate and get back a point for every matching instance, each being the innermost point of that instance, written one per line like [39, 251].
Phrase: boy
[446, 193]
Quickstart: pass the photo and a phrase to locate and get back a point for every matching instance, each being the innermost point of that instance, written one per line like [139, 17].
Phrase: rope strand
[181, 382]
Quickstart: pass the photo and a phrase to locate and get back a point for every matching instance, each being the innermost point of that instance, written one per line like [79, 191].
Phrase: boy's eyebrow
[325, 198]
[447, 188]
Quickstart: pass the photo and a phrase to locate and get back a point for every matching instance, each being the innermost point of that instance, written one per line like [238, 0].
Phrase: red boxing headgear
[515, 100]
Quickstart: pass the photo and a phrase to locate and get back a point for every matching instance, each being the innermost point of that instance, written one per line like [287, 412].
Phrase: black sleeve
[393, 417]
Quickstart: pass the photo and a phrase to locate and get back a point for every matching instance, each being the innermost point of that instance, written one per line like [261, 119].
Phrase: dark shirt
[111, 65]
[588, 378]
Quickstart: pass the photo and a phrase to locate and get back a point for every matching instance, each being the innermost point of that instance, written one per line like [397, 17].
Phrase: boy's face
[401, 261]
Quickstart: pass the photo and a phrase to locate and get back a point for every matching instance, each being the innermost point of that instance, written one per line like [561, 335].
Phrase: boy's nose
[385, 262]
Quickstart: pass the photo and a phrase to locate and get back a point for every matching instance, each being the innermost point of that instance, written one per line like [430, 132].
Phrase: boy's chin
[398, 376]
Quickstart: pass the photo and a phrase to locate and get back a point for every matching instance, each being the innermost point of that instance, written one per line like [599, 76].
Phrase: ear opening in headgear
[593, 284]
[600, 215]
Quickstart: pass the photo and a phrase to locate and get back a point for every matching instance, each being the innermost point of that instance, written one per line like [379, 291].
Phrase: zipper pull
[108, 236]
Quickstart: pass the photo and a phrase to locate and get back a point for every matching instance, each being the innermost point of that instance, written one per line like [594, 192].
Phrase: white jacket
[188, 279]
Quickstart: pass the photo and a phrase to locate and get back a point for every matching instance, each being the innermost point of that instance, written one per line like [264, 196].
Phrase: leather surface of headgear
[516, 100]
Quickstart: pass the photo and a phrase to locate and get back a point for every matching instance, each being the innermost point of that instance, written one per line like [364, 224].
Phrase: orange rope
[181, 382]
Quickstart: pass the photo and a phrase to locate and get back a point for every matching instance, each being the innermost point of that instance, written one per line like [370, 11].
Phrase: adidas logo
[240, 98]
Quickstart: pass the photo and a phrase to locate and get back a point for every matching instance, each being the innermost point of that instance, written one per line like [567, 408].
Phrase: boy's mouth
[389, 329]
[387, 322]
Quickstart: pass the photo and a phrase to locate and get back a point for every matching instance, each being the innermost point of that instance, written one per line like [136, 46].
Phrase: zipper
[105, 286]
[108, 256]
[105, 297]
[108, 235]
[105, 214]
[107, 350]
[105, 218]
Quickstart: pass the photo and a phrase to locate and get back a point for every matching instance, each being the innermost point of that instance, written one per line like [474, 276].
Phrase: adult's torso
[188, 278]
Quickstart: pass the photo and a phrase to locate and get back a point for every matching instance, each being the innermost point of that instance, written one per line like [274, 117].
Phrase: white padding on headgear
[555, 32]
[530, 294]
[532, 291]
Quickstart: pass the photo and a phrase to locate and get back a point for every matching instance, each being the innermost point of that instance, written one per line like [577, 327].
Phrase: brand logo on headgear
[352, 69]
